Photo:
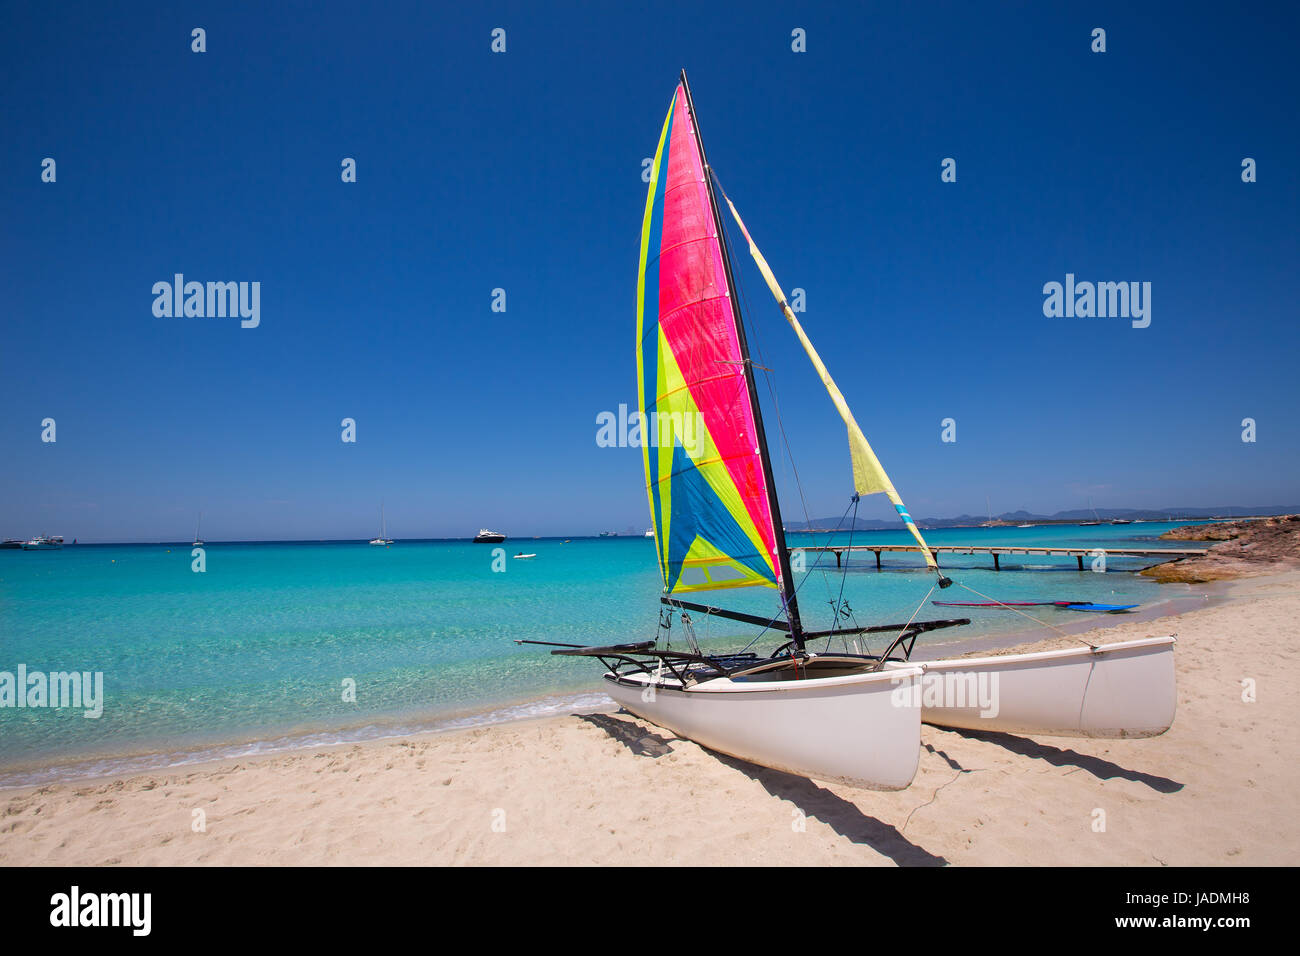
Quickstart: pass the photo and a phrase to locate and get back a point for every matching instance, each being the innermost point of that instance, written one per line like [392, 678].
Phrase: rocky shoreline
[1240, 548]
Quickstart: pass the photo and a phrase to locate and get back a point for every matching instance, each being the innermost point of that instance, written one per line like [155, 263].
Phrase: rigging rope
[787, 458]
[881, 663]
[1061, 630]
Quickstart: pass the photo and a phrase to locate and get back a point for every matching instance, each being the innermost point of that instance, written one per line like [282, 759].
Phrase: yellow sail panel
[869, 476]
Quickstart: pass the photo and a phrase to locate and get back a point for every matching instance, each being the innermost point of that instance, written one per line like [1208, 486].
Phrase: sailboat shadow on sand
[814, 801]
[1099, 767]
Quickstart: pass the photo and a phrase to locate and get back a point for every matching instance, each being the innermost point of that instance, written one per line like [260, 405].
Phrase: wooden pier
[998, 550]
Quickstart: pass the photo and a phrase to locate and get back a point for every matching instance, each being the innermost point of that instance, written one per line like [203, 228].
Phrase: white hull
[854, 729]
[43, 544]
[1117, 690]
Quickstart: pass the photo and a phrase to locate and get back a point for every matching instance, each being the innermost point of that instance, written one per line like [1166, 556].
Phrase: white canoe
[861, 729]
[1115, 690]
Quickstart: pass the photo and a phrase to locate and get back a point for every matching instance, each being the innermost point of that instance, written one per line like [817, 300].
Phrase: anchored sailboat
[383, 540]
[1095, 520]
[852, 717]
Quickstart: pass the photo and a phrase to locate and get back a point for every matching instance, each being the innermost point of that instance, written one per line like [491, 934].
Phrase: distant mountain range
[1061, 517]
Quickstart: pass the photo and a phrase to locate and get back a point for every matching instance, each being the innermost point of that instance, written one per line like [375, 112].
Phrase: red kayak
[1068, 605]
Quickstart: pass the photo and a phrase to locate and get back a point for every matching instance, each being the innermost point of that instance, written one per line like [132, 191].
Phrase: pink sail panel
[695, 315]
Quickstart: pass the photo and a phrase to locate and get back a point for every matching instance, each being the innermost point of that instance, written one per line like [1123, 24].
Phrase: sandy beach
[1219, 788]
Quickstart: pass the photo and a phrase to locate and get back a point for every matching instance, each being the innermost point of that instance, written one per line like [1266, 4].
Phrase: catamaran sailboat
[848, 717]
[383, 540]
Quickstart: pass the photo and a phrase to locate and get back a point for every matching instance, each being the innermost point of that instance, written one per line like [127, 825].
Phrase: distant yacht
[198, 541]
[44, 543]
[11, 543]
[383, 540]
[1120, 521]
[650, 533]
[485, 536]
[609, 534]
[1026, 526]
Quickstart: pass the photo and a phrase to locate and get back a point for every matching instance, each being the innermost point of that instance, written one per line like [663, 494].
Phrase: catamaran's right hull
[863, 730]
[1115, 690]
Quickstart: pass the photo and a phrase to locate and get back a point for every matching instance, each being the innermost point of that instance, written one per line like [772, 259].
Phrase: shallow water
[254, 654]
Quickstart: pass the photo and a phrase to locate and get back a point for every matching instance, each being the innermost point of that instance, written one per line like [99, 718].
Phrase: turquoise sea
[253, 653]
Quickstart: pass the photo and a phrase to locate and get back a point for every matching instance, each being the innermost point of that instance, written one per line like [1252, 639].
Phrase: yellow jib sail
[869, 476]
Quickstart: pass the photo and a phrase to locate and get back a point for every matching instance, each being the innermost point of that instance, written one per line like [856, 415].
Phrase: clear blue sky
[522, 171]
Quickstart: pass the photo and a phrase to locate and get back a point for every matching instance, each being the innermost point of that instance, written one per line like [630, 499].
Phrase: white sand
[1220, 787]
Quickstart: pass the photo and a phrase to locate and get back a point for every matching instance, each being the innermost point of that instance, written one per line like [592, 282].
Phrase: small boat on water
[11, 543]
[485, 536]
[44, 543]
[198, 541]
[609, 534]
[383, 540]
[524, 557]
[1095, 520]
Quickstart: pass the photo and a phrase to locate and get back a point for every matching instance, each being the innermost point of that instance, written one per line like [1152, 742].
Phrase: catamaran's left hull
[863, 730]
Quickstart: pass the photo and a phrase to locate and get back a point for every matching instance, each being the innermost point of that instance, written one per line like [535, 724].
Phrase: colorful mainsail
[709, 500]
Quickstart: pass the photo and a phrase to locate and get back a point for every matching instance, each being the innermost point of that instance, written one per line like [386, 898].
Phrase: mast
[774, 505]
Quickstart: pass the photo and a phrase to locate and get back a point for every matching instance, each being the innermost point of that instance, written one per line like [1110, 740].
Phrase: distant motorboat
[1120, 521]
[485, 536]
[650, 533]
[524, 557]
[609, 534]
[1026, 526]
[44, 543]
[11, 543]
